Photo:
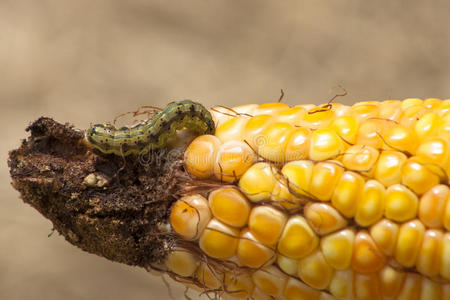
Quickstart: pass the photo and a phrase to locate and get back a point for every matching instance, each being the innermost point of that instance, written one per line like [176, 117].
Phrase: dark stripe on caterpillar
[152, 133]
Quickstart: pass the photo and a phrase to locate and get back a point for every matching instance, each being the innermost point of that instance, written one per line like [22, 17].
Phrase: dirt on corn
[108, 205]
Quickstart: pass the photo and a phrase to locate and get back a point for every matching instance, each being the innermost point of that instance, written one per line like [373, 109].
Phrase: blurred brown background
[85, 61]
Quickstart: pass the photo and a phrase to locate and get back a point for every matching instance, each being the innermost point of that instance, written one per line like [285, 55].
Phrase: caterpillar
[152, 133]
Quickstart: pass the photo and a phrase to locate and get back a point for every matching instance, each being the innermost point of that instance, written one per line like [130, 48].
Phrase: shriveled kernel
[181, 262]
[315, 271]
[411, 288]
[253, 128]
[238, 286]
[252, 253]
[287, 265]
[385, 234]
[234, 158]
[341, 286]
[391, 282]
[323, 218]
[189, 216]
[346, 128]
[388, 169]
[430, 290]
[258, 182]
[432, 206]
[429, 258]
[298, 145]
[367, 287]
[325, 177]
[219, 240]
[297, 290]
[445, 257]
[347, 192]
[274, 140]
[400, 138]
[266, 223]
[419, 176]
[208, 277]
[409, 242]
[230, 206]
[337, 248]
[270, 280]
[367, 256]
[298, 173]
[297, 239]
[200, 156]
[360, 158]
[370, 205]
[401, 203]
[325, 144]
[231, 129]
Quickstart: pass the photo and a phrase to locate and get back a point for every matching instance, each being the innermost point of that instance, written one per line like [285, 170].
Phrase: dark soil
[122, 220]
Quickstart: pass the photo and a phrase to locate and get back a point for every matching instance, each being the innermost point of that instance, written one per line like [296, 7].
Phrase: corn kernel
[388, 169]
[430, 290]
[200, 156]
[385, 234]
[367, 257]
[347, 192]
[336, 248]
[391, 282]
[400, 138]
[418, 176]
[341, 286]
[258, 182]
[435, 150]
[270, 108]
[299, 174]
[297, 290]
[238, 286]
[323, 218]
[427, 126]
[275, 138]
[287, 265]
[231, 129]
[230, 206]
[189, 216]
[365, 110]
[429, 258]
[298, 145]
[181, 262]
[445, 257]
[432, 206]
[367, 287]
[208, 277]
[390, 110]
[270, 280]
[252, 253]
[253, 128]
[400, 203]
[315, 271]
[325, 144]
[370, 205]
[325, 177]
[292, 115]
[219, 240]
[346, 128]
[371, 131]
[411, 287]
[297, 239]
[360, 158]
[267, 223]
[409, 242]
[234, 158]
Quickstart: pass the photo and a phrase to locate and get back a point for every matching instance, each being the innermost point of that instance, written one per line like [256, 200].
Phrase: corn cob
[319, 202]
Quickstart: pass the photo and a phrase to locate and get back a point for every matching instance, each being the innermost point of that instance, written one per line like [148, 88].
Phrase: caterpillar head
[100, 135]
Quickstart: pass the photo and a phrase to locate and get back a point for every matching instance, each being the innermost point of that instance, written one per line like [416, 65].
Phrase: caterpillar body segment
[152, 133]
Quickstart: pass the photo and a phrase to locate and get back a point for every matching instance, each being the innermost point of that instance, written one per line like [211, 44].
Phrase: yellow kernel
[411, 287]
[390, 110]
[367, 287]
[282, 196]
[409, 242]
[323, 218]
[258, 182]
[297, 290]
[317, 118]
[432, 206]
[315, 271]
[238, 286]
[337, 248]
[274, 140]
[341, 286]
[325, 177]
[360, 158]
[347, 192]
[287, 265]
[371, 131]
[219, 240]
[401, 203]
[388, 169]
[325, 144]
[260, 295]
[298, 174]
[365, 110]
[391, 282]
[427, 126]
[181, 262]
[367, 257]
[208, 277]
[270, 280]
[419, 176]
[231, 129]
[200, 156]
[435, 150]
[189, 216]
[385, 234]
[292, 115]
[447, 214]
[430, 290]
[408, 102]
[230, 206]
[252, 253]
[270, 108]
[370, 205]
[253, 128]
[297, 239]
[432, 102]
[445, 257]
[298, 145]
[400, 138]
[234, 158]
[411, 114]
[266, 223]
[346, 128]
[429, 258]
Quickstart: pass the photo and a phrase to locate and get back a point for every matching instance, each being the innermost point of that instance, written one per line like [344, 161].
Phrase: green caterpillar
[154, 132]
